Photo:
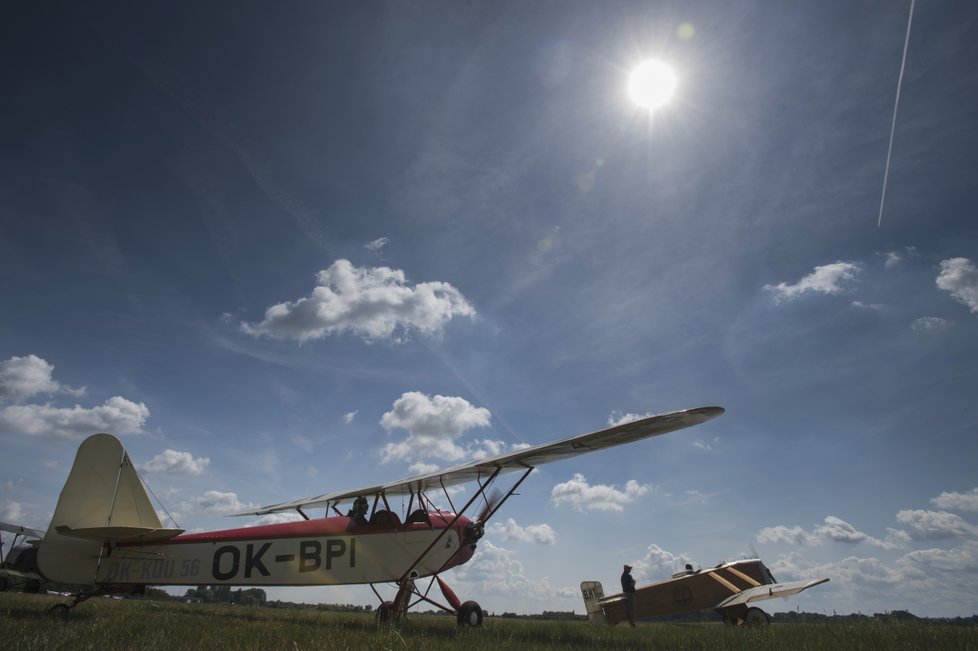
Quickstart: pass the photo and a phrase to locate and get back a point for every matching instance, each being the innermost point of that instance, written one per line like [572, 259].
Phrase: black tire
[756, 618]
[385, 613]
[60, 610]
[469, 614]
[32, 586]
[3, 583]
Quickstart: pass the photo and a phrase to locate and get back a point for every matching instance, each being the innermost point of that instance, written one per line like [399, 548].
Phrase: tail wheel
[756, 617]
[385, 613]
[469, 614]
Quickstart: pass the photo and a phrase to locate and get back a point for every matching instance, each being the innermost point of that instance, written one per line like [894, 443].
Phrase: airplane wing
[520, 460]
[769, 591]
[18, 530]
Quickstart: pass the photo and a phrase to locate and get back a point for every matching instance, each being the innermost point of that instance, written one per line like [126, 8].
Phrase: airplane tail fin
[103, 502]
[593, 593]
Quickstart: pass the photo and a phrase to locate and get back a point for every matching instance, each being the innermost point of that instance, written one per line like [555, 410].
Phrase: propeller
[477, 528]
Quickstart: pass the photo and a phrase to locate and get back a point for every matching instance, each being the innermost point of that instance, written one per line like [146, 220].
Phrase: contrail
[896, 104]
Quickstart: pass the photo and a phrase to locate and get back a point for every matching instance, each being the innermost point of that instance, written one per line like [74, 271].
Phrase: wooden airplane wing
[769, 591]
[520, 460]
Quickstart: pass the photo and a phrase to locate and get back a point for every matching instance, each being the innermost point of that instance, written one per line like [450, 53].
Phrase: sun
[651, 84]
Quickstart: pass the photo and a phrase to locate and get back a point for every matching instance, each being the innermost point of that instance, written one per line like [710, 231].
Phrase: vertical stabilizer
[593, 593]
[103, 494]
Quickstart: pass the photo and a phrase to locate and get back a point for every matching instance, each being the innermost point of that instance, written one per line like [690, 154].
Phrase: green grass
[105, 624]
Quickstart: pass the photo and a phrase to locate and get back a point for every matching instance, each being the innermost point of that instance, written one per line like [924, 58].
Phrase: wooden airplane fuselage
[690, 591]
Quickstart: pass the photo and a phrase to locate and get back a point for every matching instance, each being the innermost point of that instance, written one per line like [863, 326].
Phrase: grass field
[106, 624]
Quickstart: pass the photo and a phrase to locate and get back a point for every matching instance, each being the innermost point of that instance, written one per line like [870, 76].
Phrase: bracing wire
[896, 105]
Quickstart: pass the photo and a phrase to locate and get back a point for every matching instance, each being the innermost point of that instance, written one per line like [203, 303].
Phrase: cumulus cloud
[216, 502]
[958, 559]
[274, 518]
[658, 562]
[832, 529]
[497, 571]
[935, 525]
[825, 279]
[789, 535]
[421, 468]
[532, 533]
[433, 425]
[370, 302]
[25, 377]
[959, 278]
[350, 415]
[957, 501]
[176, 463]
[600, 497]
[117, 416]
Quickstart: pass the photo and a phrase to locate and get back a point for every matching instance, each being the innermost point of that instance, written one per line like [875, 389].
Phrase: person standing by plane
[628, 589]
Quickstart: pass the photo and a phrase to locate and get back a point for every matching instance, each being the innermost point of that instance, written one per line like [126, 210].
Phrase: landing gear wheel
[60, 610]
[756, 617]
[385, 613]
[469, 614]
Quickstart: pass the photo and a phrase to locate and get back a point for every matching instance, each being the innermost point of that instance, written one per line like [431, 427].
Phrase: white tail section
[103, 501]
[593, 593]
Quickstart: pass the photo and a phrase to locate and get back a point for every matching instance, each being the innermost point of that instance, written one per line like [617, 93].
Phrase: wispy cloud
[825, 279]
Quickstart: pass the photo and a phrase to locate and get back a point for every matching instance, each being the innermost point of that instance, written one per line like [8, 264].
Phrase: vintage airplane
[727, 588]
[18, 566]
[105, 532]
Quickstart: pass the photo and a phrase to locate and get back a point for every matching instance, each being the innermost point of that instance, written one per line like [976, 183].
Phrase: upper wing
[520, 460]
[21, 531]
[769, 591]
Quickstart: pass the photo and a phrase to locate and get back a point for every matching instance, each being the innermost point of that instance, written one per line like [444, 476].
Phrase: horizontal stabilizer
[18, 530]
[120, 534]
[769, 591]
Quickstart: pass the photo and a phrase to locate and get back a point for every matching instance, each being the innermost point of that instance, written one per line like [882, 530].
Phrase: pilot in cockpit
[359, 511]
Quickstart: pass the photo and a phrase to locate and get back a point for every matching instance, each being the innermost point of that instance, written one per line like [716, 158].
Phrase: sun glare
[651, 84]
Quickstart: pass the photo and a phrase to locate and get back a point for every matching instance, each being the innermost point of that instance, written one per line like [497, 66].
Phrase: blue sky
[287, 250]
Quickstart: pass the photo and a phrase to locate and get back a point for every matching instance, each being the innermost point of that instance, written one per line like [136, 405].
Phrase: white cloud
[825, 279]
[892, 259]
[957, 501]
[350, 415]
[496, 571]
[116, 416]
[274, 518]
[371, 302]
[433, 425]
[958, 559]
[783, 534]
[25, 377]
[929, 324]
[832, 529]
[421, 468]
[377, 245]
[532, 533]
[617, 418]
[658, 563]
[959, 278]
[177, 463]
[935, 525]
[216, 502]
[600, 497]
[12, 512]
